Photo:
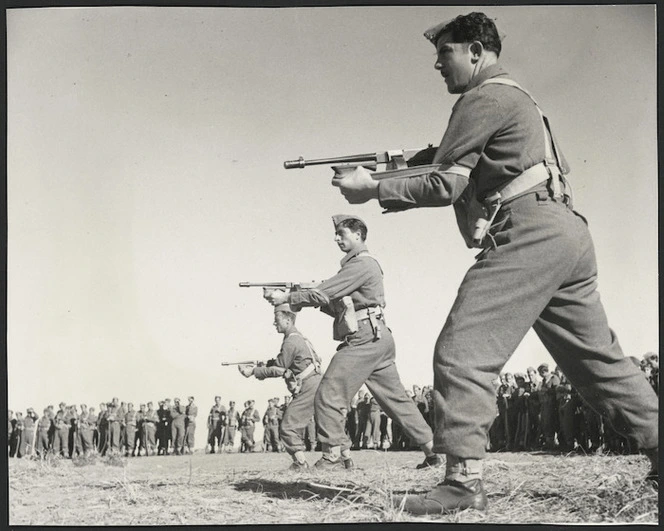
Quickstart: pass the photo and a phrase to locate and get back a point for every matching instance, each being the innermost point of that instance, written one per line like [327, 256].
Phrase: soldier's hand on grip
[246, 370]
[355, 184]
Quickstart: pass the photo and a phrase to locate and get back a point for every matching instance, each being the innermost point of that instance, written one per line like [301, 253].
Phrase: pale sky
[145, 181]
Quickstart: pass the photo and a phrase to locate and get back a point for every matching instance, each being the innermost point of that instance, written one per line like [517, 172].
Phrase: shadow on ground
[303, 490]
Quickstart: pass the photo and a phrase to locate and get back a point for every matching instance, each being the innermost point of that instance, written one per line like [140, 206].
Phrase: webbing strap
[550, 151]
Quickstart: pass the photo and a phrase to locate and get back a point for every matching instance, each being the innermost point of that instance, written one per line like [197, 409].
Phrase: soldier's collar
[489, 72]
[362, 248]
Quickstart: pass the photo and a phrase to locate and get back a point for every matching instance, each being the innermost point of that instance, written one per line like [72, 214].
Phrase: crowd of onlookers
[538, 409]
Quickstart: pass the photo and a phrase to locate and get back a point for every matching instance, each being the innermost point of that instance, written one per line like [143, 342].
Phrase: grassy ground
[255, 489]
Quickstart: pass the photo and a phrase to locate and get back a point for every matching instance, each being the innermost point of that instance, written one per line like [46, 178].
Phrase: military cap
[232, 402]
[174, 400]
[62, 404]
[190, 398]
[343, 217]
[217, 397]
[434, 32]
[543, 366]
[149, 403]
[161, 402]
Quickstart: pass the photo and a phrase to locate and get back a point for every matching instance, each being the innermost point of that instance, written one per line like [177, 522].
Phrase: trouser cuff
[462, 470]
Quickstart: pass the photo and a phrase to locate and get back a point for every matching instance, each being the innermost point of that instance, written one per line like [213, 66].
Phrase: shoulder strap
[551, 150]
[312, 353]
[367, 253]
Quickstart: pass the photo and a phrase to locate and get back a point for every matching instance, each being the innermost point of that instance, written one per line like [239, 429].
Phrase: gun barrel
[301, 162]
[250, 362]
[265, 284]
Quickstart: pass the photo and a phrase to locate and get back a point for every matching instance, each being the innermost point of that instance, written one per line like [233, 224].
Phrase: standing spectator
[28, 439]
[139, 443]
[102, 429]
[11, 422]
[92, 420]
[232, 422]
[271, 427]
[249, 418]
[191, 412]
[372, 430]
[164, 428]
[62, 422]
[352, 422]
[150, 422]
[215, 425]
[362, 416]
[130, 427]
[73, 444]
[18, 434]
[114, 417]
[84, 426]
[566, 408]
[533, 405]
[177, 426]
[548, 409]
[43, 430]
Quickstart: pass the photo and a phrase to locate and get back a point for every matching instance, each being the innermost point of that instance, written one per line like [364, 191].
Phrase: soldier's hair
[354, 225]
[288, 314]
[474, 27]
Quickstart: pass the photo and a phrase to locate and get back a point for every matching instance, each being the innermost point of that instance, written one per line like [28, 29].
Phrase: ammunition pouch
[345, 320]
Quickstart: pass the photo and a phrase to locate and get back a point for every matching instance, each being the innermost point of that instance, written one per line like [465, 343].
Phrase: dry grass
[255, 489]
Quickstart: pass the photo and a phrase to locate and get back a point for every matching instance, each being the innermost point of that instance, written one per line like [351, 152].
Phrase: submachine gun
[397, 162]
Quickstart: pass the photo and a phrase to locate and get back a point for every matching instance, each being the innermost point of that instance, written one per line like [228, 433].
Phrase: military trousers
[360, 360]
[177, 435]
[190, 436]
[298, 415]
[42, 442]
[541, 274]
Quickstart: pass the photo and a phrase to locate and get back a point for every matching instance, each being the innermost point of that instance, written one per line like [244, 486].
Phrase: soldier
[29, 435]
[84, 429]
[11, 445]
[355, 296]
[271, 414]
[149, 432]
[164, 429]
[51, 434]
[140, 439]
[566, 407]
[385, 431]
[248, 420]
[43, 429]
[537, 266]
[177, 426]
[215, 423]
[62, 422]
[191, 412]
[372, 431]
[533, 407]
[310, 441]
[352, 422]
[92, 420]
[102, 428]
[130, 427]
[299, 365]
[74, 443]
[363, 400]
[231, 422]
[114, 417]
[548, 409]
[18, 434]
